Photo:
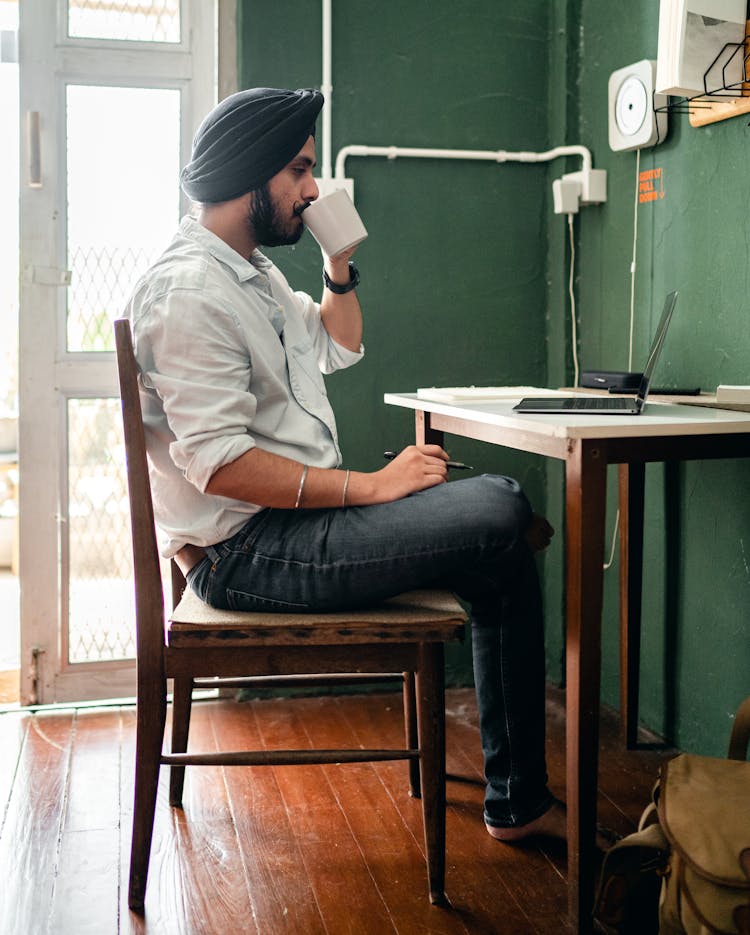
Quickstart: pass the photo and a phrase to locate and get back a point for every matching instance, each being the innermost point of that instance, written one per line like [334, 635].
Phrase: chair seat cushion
[416, 616]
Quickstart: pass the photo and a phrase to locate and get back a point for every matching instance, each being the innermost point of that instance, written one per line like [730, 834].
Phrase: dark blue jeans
[467, 535]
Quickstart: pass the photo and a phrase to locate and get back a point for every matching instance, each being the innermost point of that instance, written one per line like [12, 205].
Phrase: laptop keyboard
[589, 402]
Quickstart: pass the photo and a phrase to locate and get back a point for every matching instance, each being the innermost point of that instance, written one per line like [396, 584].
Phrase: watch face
[631, 106]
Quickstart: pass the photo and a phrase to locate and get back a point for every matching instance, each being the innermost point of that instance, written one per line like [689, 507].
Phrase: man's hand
[340, 261]
[415, 468]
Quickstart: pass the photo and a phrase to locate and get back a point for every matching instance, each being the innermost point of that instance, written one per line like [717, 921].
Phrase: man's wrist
[337, 287]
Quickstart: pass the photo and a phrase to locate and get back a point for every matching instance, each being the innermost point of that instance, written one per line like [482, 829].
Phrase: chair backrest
[149, 599]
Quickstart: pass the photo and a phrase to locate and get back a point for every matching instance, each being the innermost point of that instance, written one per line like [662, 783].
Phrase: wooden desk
[587, 444]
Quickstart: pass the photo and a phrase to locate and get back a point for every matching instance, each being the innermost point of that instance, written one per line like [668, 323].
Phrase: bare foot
[539, 533]
[550, 824]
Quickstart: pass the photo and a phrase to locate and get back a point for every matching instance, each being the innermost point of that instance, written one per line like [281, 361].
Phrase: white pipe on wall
[327, 90]
[500, 155]
[590, 186]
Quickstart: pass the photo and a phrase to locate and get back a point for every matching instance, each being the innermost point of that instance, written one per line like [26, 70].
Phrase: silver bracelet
[301, 486]
[346, 486]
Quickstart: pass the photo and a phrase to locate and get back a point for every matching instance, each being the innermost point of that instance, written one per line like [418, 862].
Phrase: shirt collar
[218, 248]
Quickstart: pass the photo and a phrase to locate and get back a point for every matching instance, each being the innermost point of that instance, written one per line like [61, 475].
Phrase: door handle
[51, 276]
[33, 126]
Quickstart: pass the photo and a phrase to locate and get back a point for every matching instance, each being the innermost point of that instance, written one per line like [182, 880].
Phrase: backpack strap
[738, 742]
[649, 817]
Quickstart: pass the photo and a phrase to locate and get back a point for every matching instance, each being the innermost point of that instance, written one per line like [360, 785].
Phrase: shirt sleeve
[330, 354]
[195, 358]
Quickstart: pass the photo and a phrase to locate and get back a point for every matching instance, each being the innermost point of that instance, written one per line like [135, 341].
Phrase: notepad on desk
[477, 394]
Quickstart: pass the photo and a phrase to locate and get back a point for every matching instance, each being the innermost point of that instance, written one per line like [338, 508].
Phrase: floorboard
[316, 850]
[331, 858]
[30, 840]
[13, 732]
[87, 878]
[282, 896]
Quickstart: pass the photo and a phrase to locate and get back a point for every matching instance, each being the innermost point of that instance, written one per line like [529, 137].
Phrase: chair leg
[150, 720]
[182, 699]
[410, 727]
[431, 719]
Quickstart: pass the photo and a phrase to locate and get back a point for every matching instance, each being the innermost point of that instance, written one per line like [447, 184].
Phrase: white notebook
[733, 394]
[454, 394]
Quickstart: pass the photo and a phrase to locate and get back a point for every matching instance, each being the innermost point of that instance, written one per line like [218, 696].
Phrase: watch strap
[338, 289]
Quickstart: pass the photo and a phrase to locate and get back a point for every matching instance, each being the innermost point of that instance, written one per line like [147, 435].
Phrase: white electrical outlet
[566, 196]
[574, 189]
[592, 185]
[633, 120]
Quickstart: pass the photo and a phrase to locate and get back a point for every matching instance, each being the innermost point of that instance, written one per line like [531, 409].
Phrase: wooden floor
[297, 850]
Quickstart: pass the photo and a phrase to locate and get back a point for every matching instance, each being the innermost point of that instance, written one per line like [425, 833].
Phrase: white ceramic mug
[334, 223]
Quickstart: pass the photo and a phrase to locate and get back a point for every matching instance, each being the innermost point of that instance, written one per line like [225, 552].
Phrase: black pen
[457, 465]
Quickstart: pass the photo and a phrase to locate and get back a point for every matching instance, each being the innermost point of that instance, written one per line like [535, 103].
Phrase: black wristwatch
[340, 290]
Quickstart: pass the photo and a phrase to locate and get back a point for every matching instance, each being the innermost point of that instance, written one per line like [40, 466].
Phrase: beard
[266, 226]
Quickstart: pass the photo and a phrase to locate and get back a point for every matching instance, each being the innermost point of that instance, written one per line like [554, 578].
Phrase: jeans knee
[504, 494]
[498, 504]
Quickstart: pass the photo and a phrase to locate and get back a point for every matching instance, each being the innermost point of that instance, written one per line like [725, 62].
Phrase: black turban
[246, 140]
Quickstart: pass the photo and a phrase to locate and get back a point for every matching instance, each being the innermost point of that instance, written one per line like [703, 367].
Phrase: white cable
[632, 262]
[608, 564]
[574, 329]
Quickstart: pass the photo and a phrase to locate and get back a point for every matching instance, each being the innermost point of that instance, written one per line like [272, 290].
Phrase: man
[249, 491]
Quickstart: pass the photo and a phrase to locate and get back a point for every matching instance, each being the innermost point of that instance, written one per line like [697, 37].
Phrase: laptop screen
[656, 346]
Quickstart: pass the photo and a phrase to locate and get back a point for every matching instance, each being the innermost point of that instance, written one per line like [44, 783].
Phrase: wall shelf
[722, 103]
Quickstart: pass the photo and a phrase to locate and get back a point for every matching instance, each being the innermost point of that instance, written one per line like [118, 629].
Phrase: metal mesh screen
[101, 603]
[101, 281]
[134, 20]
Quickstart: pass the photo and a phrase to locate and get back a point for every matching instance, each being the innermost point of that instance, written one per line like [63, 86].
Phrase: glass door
[110, 92]
[9, 628]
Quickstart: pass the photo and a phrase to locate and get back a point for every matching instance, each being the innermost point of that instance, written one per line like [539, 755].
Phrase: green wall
[453, 272]
[464, 280]
[696, 630]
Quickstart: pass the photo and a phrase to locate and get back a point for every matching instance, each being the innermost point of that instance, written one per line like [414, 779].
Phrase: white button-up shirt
[230, 358]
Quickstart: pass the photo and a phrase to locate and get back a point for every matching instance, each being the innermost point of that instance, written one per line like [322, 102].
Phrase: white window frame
[49, 374]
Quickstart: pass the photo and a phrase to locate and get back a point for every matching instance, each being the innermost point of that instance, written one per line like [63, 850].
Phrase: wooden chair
[198, 643]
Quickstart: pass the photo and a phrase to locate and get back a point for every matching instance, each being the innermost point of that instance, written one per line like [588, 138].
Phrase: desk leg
[425, 434]
[632, 485]
[585, 501]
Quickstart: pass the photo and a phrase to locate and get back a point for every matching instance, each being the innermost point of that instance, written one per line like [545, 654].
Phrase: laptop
[609, 405]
